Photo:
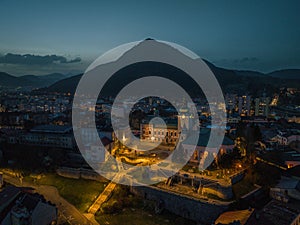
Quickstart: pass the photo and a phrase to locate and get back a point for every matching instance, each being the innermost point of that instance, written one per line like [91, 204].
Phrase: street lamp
[123, 138]
[152, 139]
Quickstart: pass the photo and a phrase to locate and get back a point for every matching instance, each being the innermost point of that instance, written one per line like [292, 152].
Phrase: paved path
[102, 198]
[91, 218]
[67, 212]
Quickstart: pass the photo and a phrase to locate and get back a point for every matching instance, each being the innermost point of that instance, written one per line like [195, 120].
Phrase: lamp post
[152, 138]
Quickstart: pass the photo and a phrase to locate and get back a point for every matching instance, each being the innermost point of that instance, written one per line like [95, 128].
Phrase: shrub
[111, 208]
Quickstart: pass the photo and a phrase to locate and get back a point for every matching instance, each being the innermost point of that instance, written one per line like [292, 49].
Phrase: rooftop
[294, 171]
[204, 137]
[171, 123]
[231, 216]
[30, 202]
[9, 194]
[287, 183]
[52, 129]
[275, 212]
[291, 156]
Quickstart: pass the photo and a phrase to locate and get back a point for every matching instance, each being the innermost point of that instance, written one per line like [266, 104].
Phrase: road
[67, 212]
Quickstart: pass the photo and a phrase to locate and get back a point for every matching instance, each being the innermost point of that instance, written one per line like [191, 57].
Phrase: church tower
[185, 121]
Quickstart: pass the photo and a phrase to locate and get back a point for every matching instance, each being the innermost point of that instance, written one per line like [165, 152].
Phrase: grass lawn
[139, 216]
[81, 193]
[243, 187]
[137, 212]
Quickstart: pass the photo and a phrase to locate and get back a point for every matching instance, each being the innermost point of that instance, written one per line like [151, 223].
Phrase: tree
[240, 131]
[257, 134]
[236, 153]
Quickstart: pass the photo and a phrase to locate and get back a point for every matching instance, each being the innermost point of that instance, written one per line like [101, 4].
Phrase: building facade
[262, 106]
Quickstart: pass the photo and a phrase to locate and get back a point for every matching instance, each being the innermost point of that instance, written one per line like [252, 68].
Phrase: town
[149, 112]
[253, 174]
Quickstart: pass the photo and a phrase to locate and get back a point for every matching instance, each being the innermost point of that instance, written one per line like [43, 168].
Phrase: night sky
[262, 36]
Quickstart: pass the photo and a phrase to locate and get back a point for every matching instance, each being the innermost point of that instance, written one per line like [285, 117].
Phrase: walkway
[104, 196]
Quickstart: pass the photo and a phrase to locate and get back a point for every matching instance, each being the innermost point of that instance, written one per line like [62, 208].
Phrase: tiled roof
[51, 129]
[204, 137]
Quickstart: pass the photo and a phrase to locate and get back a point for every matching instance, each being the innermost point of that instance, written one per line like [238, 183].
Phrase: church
[168, 133]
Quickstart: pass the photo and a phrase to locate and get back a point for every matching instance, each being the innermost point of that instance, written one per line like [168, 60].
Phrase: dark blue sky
[253, 35]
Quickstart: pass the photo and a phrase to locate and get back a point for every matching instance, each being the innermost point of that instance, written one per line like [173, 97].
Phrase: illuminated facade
[262, 106]
[158, 133]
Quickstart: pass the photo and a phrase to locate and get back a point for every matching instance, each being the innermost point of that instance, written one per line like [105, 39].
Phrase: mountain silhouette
[30, 81]
[237, 81]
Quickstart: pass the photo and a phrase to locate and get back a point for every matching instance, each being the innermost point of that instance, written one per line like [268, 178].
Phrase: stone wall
[69, 173]
[237, 177]
[77, 173]
[223, 192]
[188, 207]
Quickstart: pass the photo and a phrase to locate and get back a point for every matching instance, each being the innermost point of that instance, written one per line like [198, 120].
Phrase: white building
[244, 105]
[49, 136]
[262, 106]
